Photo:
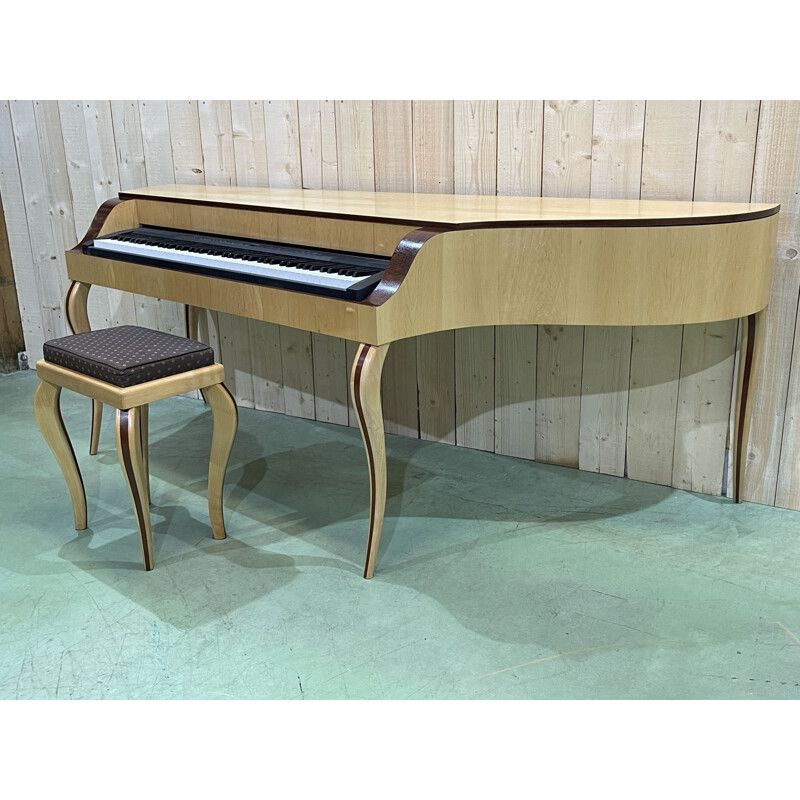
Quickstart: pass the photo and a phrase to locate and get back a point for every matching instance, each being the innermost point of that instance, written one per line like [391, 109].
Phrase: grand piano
[378, 267]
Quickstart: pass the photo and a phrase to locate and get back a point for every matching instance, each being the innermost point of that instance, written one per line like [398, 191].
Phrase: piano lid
[459, 211]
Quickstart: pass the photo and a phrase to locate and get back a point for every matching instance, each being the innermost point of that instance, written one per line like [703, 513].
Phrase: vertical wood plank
[19, 243]
[772, 456]
[298, 373]
[604, 399]
[310, 125]
[567, 151]
[520, 125]
[48, 258]
[11, 336]
[156, 142]
[330, 379]
[392, 122]
[668, 164]
[283, 144]
[566, 172]
[187, 148]
[433, 172]
[129, 145]
[249, 143]
[515, 390]
[265, 358]
[216, 142]
[354, 145]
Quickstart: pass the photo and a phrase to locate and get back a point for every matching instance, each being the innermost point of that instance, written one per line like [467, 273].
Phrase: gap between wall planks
[652, 403]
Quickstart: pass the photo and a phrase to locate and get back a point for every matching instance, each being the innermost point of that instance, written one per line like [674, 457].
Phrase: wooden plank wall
[650, 403]
[11, 337]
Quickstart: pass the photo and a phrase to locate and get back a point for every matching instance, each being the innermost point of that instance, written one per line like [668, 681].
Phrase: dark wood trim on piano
[399, 264]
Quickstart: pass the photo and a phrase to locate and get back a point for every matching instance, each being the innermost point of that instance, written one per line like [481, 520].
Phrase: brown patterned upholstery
[128, 355]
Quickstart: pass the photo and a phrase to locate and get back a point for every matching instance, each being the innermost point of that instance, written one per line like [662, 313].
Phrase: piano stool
[129, 367]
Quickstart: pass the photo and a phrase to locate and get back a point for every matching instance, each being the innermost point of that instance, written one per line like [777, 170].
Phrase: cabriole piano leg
[365, 386]
[78, 321]
[749, 362]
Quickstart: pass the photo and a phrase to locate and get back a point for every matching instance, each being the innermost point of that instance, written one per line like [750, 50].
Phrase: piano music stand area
[499, 578]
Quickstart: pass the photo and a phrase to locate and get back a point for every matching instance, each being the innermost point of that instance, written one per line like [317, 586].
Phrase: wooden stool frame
[132, 404]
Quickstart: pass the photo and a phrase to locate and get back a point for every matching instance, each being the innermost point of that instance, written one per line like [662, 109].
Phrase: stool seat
[128, 355]
[128, 368]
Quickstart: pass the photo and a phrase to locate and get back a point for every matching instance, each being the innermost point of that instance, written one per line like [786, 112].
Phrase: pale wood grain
[226, 417]
[19, 242]
[47, 413]
[283, 143]
[365, 388]
[249, 143]
[216, 142]
[48, 255]
[187, 148]
[773, 446]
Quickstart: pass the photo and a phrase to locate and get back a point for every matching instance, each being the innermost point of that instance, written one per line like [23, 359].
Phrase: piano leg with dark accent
[365, 386]
[78, 321]
[749, 362]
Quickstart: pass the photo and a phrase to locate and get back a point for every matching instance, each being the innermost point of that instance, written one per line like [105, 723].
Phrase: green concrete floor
[497, 578]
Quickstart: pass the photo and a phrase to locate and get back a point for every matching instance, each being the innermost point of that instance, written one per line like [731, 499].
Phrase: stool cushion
[128, 355]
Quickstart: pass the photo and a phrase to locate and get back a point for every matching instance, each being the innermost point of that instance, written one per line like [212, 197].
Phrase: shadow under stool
[129, 367]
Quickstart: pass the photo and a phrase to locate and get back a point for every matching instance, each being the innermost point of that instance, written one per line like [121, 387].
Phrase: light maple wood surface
[598, 275]
[446, 209]
[47, 412]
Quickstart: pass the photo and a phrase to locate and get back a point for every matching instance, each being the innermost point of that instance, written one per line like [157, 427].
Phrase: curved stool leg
[144, 443]
[131, 457]
[47, 412]
[97, 421]
[78, 321]
[365, 385]
[226, 418]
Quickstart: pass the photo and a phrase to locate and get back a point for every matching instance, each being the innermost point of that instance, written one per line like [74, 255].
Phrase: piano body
[378, 267]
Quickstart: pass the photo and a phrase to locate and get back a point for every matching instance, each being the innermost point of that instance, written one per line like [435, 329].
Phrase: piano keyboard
[350, 276]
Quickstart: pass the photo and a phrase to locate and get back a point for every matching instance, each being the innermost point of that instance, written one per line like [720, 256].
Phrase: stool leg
[97, 421]
[226, 418]
[129, 448]
[144, 442]
[47, 411]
